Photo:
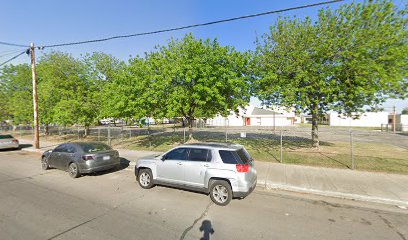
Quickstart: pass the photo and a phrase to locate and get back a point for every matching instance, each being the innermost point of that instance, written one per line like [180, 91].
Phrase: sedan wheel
[73, 170]
[145, 178]
[44, 164]
[221, 193]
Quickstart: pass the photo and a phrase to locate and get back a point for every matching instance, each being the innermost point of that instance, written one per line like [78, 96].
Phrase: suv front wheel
[145, 178]
[220, 192]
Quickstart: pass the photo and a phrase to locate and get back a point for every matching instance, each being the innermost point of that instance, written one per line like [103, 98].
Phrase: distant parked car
[222, 170]
[81, 157]
[8, 142]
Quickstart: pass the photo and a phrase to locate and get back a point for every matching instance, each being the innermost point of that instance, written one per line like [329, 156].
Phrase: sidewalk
[349, 184]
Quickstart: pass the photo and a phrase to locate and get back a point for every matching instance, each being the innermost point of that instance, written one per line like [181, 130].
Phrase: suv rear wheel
[220, 192]
[145, 178]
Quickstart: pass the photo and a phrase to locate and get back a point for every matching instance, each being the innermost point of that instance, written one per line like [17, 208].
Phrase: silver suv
[222, 170]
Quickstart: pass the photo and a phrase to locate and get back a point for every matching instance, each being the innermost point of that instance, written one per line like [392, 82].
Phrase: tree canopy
[193, 78]
[347, 59]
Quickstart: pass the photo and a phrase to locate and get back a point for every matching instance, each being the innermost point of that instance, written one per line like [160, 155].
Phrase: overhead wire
[192, 26]
[165, 30]
[25, 51]
[13, 44]
[8, 53]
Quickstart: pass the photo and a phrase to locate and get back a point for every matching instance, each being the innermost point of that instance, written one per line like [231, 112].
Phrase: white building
[255, 116]
[401, 122]
[368, 119]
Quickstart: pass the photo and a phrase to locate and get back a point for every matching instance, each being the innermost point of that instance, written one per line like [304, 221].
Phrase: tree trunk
[315, 129]
[190, 127]
[46, 129]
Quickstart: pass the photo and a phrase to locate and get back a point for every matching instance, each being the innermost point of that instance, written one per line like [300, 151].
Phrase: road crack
[389, 224]
[195, 221]
[94, 218]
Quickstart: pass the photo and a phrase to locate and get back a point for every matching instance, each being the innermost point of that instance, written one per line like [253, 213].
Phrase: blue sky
[47, 22]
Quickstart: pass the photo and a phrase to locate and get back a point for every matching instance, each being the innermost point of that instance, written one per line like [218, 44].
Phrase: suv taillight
[243, 167]
[88, 157]
[14, 141]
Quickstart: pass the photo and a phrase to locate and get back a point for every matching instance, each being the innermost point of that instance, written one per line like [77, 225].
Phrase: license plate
[106, 157]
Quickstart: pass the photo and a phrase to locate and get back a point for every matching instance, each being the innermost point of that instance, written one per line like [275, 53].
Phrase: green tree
[65, 94]
[102, 71]
[16, 94]
[194, 78]
[347, 59]
[405, 111]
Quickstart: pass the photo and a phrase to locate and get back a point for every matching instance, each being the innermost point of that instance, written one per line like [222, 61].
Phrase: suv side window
[228, 157]
[62, 148]
[177, 154]
[198, 155]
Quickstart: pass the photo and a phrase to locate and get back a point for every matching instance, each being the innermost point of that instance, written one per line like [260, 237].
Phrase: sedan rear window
[235, 157]
[94, 147]
[5, 136]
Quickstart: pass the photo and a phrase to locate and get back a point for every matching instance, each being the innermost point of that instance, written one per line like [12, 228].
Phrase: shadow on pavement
[207, 230]
[25, 145]
[124, 163]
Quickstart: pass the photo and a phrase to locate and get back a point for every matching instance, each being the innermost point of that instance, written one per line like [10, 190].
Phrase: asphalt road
[37, 204]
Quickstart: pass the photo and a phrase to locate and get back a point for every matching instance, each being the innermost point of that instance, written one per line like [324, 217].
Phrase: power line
[10, 50]
[13, 44]
[18, 55]
[8, 53]
[194, 25]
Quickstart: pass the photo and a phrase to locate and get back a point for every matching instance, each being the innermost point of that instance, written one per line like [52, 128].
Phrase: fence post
[281, 144]
[99, 134]
[352, 150]
[184, 130]
[226, 133]
[148, 136]
[109, 135]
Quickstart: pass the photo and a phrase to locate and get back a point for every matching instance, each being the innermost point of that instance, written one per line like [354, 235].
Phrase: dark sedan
[81, 157]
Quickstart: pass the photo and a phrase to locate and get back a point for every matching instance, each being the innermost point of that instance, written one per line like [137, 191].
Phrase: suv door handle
[206, 165]
[179, 163]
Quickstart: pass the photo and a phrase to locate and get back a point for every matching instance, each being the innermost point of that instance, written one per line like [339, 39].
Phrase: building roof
[260, 111]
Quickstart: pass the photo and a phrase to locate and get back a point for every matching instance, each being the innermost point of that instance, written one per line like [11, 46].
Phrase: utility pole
[35, 104]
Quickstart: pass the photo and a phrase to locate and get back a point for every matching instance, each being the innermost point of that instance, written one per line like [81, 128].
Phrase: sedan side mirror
[164, 157]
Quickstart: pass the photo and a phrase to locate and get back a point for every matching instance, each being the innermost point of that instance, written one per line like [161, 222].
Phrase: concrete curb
[33, 150]
[349, 196]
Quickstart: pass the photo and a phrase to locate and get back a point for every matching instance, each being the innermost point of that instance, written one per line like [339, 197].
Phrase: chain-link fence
[363, 149]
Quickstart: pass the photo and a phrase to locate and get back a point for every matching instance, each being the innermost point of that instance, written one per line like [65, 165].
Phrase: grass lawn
[367, 156]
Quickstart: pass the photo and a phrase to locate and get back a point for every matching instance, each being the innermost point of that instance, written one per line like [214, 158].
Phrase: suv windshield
[240, 156]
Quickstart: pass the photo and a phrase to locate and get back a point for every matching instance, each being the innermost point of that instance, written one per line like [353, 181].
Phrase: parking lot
[37, 204]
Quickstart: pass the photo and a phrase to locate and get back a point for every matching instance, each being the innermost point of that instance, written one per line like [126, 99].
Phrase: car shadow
[25, 146]
[124, 163]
